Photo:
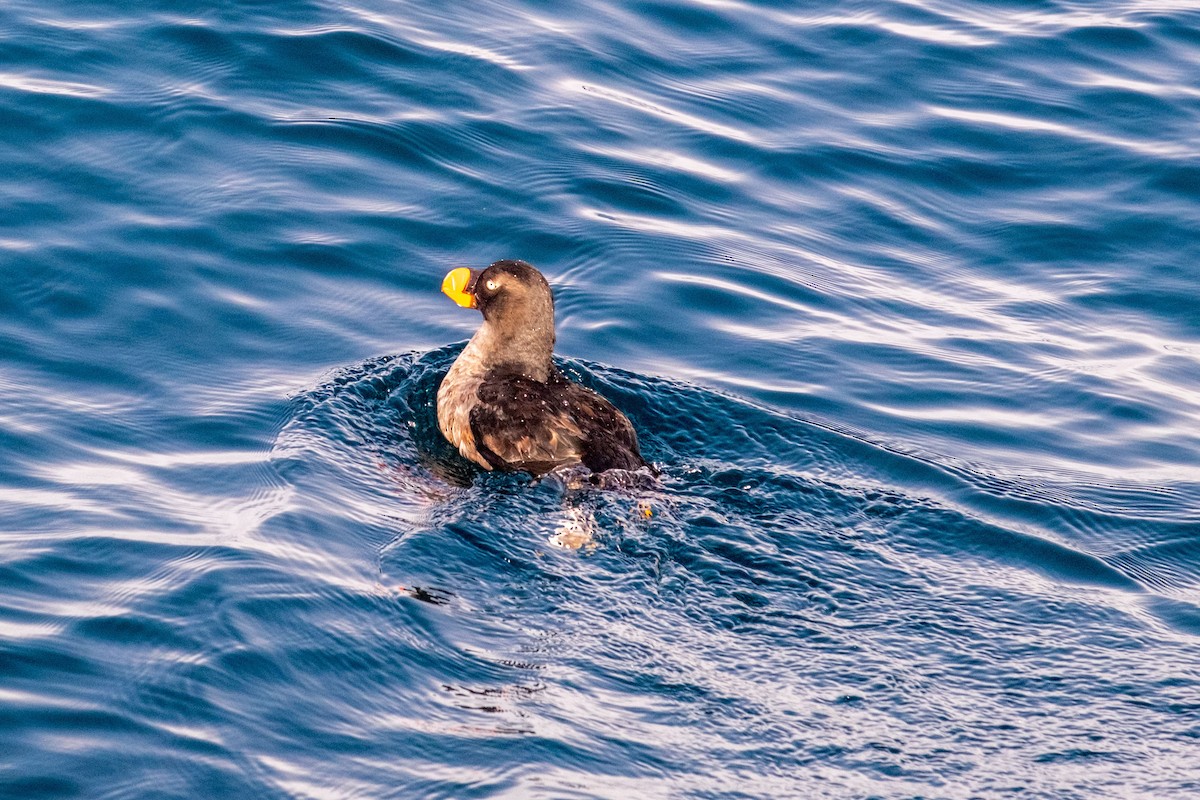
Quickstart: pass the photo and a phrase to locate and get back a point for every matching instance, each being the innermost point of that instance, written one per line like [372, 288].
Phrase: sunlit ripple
[899, 297]
[1162, 149]
[25, 83]
[655, 109]
[669, 160]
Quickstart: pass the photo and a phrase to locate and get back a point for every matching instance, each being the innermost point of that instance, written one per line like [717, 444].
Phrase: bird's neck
[526, 350]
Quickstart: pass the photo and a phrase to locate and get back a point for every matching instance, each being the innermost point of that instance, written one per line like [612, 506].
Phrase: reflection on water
[902, 298]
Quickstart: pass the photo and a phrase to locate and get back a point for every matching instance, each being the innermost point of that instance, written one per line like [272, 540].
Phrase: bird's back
[522, 424]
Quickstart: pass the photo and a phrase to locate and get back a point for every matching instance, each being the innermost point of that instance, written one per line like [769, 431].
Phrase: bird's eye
[491, 285]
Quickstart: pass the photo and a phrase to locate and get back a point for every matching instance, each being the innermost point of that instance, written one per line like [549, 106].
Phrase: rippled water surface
[902, 298]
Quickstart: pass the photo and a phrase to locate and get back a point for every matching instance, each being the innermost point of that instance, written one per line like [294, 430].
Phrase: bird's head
[515, 301]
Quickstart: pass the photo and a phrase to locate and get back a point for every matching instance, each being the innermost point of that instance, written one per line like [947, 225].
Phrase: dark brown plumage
[504, 404]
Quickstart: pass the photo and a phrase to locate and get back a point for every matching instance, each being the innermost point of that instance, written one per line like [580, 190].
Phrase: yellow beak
[455, 284]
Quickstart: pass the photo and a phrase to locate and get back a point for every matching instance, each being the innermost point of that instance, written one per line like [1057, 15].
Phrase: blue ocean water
[902, 298]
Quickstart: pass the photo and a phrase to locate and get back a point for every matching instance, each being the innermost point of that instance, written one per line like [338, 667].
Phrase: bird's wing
[610, 441]
[521, 424]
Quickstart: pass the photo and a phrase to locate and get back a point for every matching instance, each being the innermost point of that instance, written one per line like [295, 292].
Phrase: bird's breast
[456, 398]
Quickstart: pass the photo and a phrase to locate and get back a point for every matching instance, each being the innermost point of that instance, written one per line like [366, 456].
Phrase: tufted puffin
[504, 404]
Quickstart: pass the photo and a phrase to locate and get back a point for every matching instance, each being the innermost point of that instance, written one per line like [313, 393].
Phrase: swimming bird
[504, 404]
